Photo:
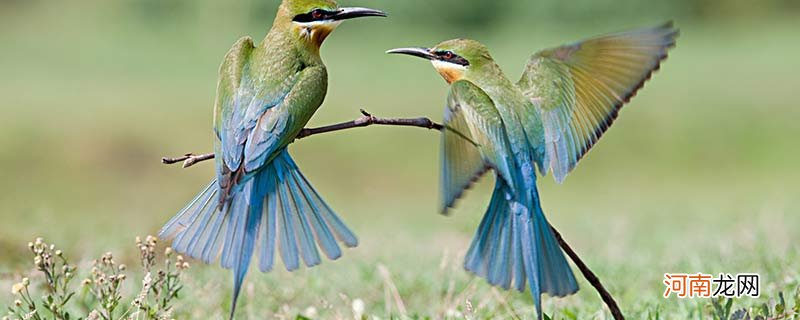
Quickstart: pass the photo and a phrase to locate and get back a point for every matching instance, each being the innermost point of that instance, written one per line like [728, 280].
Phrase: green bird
[259, 200]
[566, 99]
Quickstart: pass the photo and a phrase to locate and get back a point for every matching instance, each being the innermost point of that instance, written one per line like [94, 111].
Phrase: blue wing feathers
[306, 247]
[517, 263]
[242, 134]
[499, 259]
[478, 249]
[272, 209]
[269, 227]
[190, 222]
[306, 238]
[173, 224]
[341, 231]
[263, 140]
[530, 253]
[238, 214]
[559, 280]
[324, 236]
[212, 246]
[246, 243]
[288, 244]
[515, 246]
[207, 213]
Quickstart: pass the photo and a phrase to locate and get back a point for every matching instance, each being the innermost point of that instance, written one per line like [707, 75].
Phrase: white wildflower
[310, 313]
[17, 288]
[358, 308]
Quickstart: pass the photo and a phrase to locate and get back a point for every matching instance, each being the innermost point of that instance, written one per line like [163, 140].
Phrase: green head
[314, 20]
[453, 59]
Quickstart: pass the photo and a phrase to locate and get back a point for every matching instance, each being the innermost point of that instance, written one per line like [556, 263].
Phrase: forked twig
[368, 119]
[188, 159]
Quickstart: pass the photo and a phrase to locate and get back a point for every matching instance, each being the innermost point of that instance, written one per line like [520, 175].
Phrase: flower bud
[310, 312]
[17, 287]
[358, 308]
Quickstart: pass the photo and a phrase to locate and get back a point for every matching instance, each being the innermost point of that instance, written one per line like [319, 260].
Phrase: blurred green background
[699, 174]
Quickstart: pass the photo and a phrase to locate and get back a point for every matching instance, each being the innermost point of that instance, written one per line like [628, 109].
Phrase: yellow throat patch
[317, 31]
[451, 72]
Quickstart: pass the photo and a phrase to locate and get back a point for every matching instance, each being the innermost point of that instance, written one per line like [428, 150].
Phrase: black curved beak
[424, 53]
[355, 12]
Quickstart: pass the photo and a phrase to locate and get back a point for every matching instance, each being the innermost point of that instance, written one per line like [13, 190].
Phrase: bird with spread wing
[566, 99]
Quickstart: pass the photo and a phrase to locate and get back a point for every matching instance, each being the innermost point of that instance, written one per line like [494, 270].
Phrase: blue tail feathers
[275, 208]
[514, 244]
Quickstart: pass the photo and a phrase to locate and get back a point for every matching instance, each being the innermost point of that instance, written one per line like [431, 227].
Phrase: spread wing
[579, 88]
[473, 141]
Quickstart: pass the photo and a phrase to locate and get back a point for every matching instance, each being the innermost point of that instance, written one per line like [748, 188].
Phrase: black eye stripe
[310, 16]
[451, 57]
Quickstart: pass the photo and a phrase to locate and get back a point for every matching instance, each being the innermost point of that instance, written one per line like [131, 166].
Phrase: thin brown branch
[590, 276]
[368, 119]
[188, 159]
[365, 120]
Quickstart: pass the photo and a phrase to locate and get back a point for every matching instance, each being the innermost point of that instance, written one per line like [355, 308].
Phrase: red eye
[447, 55]
[316, 14]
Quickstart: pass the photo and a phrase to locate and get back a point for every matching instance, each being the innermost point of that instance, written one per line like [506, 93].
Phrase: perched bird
[567, 98]
[259, 200]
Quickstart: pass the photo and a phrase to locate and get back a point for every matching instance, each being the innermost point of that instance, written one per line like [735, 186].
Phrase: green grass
[698, 175]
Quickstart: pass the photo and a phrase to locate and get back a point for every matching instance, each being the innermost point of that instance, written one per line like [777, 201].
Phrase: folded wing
[245, 108]
[578, 89]
[472, 140]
